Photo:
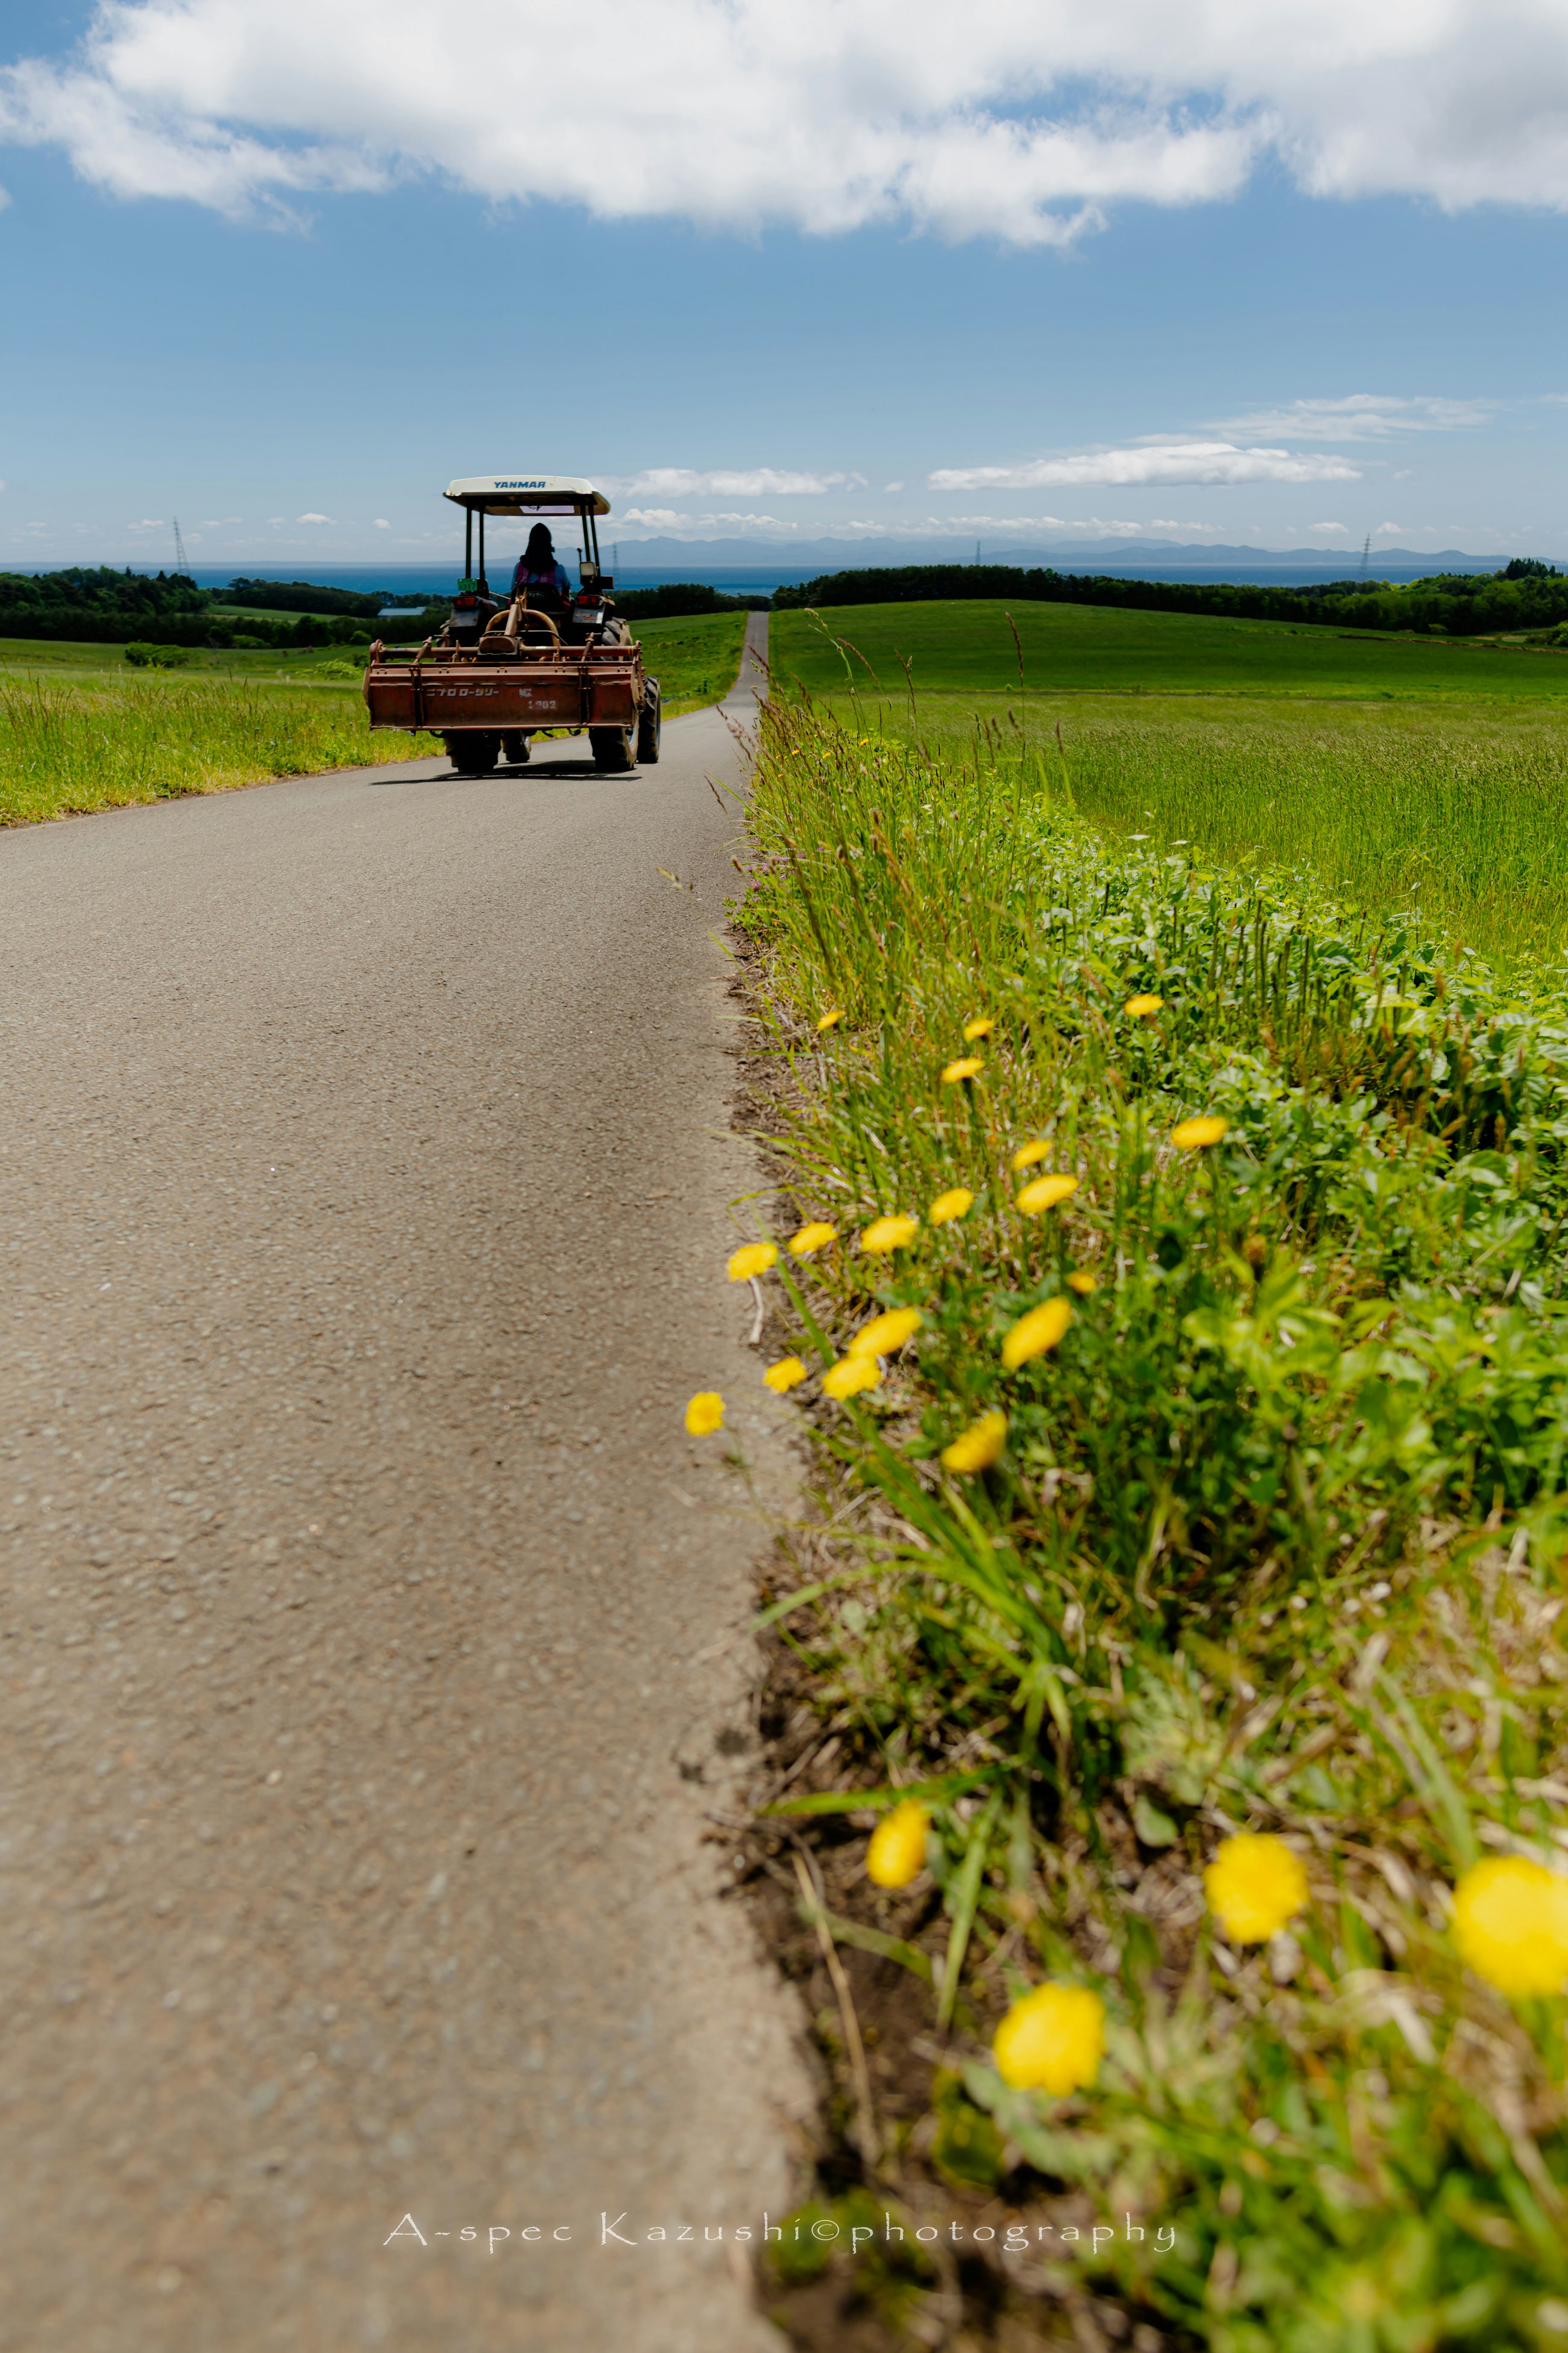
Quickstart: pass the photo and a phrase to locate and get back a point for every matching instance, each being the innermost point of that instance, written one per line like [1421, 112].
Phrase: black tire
[614, 748]
[649, 724]
[473, 755]
[518, 750]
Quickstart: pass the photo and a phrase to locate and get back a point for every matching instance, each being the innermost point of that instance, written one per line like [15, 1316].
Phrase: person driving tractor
[537, 568]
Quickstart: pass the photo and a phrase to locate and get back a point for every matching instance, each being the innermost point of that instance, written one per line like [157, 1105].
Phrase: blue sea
[440, 579]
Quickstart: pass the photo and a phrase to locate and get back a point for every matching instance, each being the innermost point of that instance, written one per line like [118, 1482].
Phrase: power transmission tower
[1365, 557]
[180, 563]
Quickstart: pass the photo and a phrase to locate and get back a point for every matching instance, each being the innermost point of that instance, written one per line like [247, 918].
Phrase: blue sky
[1098, 299]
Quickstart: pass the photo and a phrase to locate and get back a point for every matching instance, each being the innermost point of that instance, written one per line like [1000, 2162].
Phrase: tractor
[507, 667]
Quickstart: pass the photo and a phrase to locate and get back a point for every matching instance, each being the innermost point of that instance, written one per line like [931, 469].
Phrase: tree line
[1525, 595]
[100, 605]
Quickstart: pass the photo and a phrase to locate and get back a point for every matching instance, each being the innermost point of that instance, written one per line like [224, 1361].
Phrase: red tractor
[541, 657]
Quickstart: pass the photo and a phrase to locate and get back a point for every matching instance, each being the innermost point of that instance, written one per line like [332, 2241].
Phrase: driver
[537, 568]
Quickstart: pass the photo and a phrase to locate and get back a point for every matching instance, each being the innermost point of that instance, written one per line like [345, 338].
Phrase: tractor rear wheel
[649, 724]
[613, 748]
[473, 755]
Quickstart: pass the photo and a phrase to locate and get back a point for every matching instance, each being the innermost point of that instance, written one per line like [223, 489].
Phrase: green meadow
[1083, 649]
[1407, 775]
[81, 730]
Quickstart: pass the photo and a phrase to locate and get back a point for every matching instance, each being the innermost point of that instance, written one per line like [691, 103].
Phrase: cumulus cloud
[1363, 416]
[312, 518]
[1167, 465]
[381, 524]
[1022, 121]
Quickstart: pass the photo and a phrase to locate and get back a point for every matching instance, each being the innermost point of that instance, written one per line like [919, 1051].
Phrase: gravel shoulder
[372, 1635]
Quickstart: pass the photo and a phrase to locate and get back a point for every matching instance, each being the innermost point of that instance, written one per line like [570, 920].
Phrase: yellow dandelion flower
[898, 1850]
[977, 1448]
[980, 1027]
[849, 1376]
[1052, 2040]
[1139, 1005]
[887, 1331]
[812, 1238]
[1197, 1134]
[829, 1021]
[705, 1414]
[1044, 1193]
[949, 1206]
[968, 1066]
[1255, 1884]
[1511, 1925]
[885, 1234]
[787, 1374]
[1084, 1284]
[1028, 1156]
[1033, 1334]
[752, 1258]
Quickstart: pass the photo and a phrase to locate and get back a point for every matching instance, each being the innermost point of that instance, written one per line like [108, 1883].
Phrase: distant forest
[1525, 595]
[103, 606]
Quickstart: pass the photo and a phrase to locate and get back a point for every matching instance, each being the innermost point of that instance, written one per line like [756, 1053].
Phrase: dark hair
[541, 546]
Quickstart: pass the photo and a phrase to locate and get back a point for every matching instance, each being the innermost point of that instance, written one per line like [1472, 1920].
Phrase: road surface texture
[374, 1635]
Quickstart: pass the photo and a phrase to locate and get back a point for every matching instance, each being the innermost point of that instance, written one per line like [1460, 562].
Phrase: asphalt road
[369, 1627]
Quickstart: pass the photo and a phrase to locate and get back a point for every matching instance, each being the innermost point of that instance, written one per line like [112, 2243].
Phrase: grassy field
[1212, 1492]
[80, 731]
[1449, 801]
[967, 649]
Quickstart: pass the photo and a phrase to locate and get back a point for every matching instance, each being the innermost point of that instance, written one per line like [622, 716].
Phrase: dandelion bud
[898, 1850]
[977, 1447]
[1052, 2040]
[1254, 1884]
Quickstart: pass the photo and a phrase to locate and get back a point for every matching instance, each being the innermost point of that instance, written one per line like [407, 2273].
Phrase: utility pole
[180, 563]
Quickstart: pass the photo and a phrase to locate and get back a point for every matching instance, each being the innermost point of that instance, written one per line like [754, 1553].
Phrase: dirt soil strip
[371, 1649]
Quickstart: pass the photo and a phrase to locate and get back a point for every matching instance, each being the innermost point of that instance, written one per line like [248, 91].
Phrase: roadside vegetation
[1444, 801]
[86, 726]
[66, 750]
[1170, 1263]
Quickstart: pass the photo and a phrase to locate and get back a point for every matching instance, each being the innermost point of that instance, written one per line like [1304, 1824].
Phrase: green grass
[695, 659]
[79, 730]
[68, 747]
[1446, 801]
[1070, 649]
[1276, 1540]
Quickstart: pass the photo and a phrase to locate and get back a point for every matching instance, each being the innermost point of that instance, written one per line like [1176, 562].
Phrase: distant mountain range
[698, 557]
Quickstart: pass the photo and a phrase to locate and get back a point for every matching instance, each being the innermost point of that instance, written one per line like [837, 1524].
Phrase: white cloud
[381, 524]
[1386, 526]
[1363, 416]
[1329, 526]
[1022, 121]
[1165, 464]
[748, 482]
[312, 518]
[892, 486]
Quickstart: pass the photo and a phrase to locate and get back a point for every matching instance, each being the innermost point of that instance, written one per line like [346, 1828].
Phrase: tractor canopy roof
[531, 494]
